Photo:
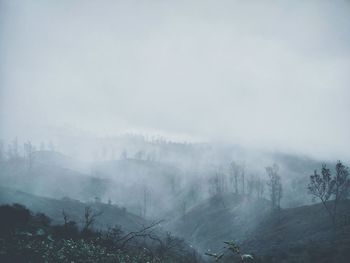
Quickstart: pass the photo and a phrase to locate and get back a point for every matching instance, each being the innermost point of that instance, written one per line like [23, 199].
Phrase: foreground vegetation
[28, 237]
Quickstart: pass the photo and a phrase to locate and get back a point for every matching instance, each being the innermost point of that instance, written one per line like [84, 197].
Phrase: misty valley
[138, 199]
[174, 131]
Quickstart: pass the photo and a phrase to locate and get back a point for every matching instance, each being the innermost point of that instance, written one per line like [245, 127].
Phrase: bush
[31, 238]
[13, 218]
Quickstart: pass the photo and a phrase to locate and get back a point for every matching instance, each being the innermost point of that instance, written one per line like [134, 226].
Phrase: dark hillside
[302, 234]
[112, 215]
[220, 218]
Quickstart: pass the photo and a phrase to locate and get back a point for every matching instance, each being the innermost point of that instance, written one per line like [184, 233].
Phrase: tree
[13, 151]
[255, 184]
[327, 186]
[145, 231]
[260, 187]
[89, 219]
[217, 183]
[234, 175]
[243, 178]
[251, 184]
[275, 186]
[29, 154]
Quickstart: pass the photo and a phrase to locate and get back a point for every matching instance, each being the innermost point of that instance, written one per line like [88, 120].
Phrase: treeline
[14, 151]
[29, 237]
[236, 181]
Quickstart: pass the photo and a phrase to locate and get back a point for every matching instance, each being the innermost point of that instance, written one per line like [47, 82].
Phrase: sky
[269, 74]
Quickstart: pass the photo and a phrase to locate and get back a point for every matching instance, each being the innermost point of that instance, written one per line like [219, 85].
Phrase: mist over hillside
[154, 175]
[174, 131]
[204, 193]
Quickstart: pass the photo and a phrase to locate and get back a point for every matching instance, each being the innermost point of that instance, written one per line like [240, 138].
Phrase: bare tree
[237, 173]
[255, 184]
[13, 151]
[243, 178]
[275, 185]
[231, 246]
[29, 150]
[65, 218]
[217, 183]
[90, 218]
[260, 187]
[145, 231]
[234, 175]
[327, 187]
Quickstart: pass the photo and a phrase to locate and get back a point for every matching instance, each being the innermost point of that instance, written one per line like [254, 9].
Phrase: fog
[209, 115]
[271, 75]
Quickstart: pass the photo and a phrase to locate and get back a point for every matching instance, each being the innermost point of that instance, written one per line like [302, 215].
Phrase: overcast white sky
[261, 73]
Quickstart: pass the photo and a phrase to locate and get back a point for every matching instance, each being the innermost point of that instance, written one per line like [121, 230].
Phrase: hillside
[302, 233]
[220, 218]
[112, 215]
[293, 235]
[48, 175]
[54, 158]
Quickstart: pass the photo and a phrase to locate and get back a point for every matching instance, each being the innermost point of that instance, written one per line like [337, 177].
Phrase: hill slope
[220, 218]
[302, 234]
[112, 215]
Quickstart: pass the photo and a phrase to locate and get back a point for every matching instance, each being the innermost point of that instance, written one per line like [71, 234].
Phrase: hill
[220, 218]
[302, 234]
[54, 158]
[112, 215]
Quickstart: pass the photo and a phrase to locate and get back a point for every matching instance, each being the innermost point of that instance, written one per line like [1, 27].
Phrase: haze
[272, 75]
